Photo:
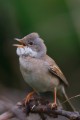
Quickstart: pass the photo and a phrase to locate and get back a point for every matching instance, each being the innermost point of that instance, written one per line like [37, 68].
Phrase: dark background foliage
[56, 21]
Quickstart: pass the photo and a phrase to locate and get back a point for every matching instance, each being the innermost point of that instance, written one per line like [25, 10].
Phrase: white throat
[26, 51]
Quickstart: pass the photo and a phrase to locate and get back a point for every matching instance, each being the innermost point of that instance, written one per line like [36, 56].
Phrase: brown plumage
[39, 70]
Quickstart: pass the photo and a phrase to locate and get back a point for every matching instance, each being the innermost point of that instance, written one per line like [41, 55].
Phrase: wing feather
[55, 70]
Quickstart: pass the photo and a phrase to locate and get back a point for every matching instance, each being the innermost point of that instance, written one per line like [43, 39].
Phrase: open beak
[18, 45]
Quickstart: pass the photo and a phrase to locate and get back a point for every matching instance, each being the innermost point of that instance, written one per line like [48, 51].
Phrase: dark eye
[30, 43]
[23, 44]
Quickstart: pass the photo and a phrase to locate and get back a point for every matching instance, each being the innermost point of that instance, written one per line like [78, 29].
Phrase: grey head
[31, 45]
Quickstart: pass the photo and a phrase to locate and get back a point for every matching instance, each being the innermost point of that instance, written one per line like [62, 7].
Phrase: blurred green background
[56, 21]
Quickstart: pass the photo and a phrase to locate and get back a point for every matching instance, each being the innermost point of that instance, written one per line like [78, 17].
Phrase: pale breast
[35, 73]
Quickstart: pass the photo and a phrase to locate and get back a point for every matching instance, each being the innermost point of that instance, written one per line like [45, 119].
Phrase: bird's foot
[28, 97]
[54, 105]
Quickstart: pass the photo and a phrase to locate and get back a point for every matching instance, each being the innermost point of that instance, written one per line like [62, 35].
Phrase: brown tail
[62, 96]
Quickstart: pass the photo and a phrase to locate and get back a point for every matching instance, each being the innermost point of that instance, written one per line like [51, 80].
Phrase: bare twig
[39, 106]
[6, 116]
[71, 98]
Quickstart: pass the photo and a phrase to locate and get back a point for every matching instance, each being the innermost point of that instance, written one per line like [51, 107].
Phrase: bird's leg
[28, 97]
[54, 104]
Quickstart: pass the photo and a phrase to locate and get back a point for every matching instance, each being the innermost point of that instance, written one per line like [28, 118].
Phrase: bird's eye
[23, 44]
[30, 43]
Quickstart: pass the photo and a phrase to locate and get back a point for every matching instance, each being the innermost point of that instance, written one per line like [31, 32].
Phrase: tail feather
[62, 96]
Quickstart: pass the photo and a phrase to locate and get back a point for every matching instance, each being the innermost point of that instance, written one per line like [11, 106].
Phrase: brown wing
[55, 70]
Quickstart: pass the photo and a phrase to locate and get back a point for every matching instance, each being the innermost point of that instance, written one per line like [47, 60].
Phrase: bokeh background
[57, 22]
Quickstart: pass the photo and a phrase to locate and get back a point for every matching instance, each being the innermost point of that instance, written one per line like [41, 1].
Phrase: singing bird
[39, 70]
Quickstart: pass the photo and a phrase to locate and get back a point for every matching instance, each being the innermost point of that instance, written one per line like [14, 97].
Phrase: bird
[39, 70]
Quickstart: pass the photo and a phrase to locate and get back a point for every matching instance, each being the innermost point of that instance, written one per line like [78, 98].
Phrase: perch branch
[39, 106]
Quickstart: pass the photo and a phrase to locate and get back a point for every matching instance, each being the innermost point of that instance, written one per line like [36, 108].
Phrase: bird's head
[31, 45]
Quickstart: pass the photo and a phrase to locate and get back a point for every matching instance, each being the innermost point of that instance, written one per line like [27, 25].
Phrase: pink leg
[28, 97]
[55, 96]
[54, 104]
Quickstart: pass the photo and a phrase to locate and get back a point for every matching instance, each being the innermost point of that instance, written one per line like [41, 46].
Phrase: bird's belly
[36, 74]
[40, 81]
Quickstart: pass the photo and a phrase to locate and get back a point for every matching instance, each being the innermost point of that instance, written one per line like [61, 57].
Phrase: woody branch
[39, 106]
